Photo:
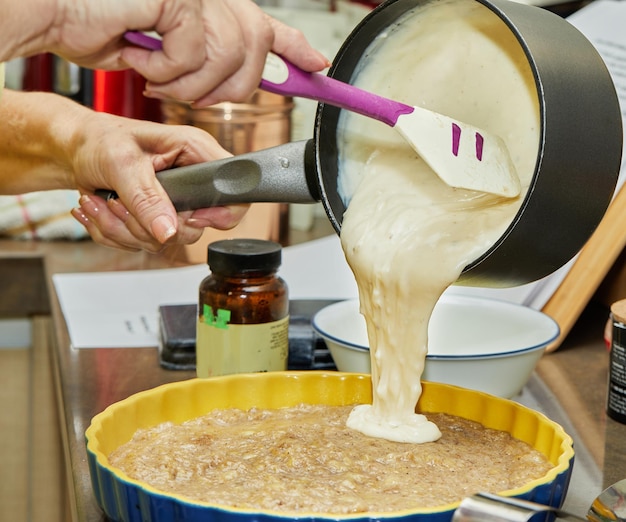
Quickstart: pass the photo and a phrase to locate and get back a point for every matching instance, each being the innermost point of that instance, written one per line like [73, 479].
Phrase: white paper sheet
[120, 309]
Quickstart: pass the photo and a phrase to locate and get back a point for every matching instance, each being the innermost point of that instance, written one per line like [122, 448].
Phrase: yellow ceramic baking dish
[129, 500]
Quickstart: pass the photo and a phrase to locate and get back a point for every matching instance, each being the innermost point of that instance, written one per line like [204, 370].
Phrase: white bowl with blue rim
[477, 343]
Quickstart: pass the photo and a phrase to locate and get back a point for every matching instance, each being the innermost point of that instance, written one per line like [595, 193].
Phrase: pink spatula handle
[283, 77]
[143, 40]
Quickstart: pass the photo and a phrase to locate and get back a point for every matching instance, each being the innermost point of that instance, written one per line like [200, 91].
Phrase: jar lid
[618, 311]
[232, 256]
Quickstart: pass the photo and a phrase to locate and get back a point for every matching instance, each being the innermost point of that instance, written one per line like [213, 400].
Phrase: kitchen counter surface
[569, 384]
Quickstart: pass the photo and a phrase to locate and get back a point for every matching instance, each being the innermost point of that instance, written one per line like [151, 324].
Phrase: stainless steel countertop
[569, 385]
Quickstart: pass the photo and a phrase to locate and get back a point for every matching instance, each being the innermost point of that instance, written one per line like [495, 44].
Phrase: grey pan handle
[282, 174]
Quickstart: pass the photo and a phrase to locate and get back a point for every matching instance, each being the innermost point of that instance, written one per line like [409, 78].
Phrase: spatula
[461, 154]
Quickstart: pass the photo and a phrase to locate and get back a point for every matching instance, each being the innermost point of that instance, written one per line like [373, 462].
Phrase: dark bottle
[243, 314]
[616, 393]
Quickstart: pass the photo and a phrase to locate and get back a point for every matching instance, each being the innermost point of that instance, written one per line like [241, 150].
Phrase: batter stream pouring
[406, 236]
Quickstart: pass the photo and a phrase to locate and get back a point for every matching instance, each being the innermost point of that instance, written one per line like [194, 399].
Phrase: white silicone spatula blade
[461, 154]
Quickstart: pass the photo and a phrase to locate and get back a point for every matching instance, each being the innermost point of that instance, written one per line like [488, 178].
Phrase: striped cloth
[41, 216]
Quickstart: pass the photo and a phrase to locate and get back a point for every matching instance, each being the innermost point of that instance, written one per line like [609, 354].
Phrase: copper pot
[262, 122]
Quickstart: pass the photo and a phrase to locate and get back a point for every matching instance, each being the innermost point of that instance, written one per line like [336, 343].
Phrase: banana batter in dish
[305, 459]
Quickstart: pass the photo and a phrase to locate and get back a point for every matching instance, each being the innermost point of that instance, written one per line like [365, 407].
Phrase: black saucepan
[577, 163]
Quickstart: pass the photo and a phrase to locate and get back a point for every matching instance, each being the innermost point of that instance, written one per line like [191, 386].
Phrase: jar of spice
[243, 313]
[616, 393]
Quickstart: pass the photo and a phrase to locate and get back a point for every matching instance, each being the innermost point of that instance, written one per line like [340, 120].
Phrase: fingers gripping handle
[274, 175]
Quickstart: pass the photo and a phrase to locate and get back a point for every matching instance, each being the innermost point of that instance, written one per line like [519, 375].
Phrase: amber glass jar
[243, 313]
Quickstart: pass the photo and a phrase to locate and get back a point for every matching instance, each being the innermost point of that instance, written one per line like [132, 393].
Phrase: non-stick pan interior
[579, 152]
[345, 63]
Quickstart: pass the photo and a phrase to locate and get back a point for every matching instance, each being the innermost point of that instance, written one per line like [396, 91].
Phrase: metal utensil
[485, 507]
[609, 506]
[461, 154]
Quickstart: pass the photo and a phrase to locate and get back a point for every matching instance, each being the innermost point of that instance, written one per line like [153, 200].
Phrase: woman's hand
[111, 224]
[213, 50]
[238, 36]
[123, 155]
[90, 32]
[50, 142]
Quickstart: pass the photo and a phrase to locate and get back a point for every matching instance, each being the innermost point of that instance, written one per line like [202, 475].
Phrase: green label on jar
[241, 348]
[218, 319]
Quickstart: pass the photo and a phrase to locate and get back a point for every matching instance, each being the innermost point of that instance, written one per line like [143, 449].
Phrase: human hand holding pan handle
[282, 174]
